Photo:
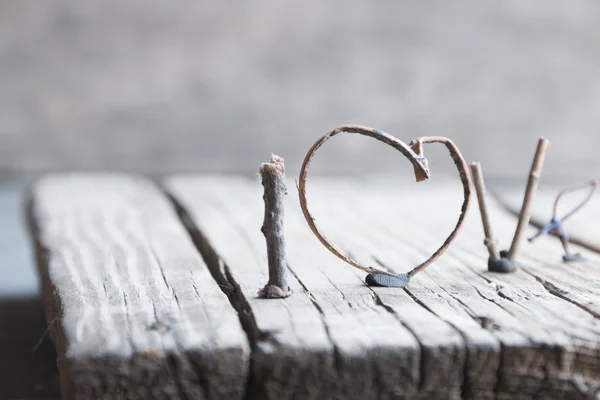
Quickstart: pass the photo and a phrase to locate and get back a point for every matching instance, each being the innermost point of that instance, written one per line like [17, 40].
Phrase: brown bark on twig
[532, 183]
[479, 184]
[592, 184]
[273, 181]
[414, 154]
[465, 179]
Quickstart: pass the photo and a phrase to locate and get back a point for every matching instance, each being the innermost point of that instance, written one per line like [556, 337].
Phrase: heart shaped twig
[414, 153]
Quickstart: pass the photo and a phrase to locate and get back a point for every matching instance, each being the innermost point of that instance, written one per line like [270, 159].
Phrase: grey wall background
[160, 86]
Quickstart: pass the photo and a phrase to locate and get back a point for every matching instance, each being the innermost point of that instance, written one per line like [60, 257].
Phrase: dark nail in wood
[502, 265]
[273, 181]
[573, 257]
[399, 280]
[486, 322]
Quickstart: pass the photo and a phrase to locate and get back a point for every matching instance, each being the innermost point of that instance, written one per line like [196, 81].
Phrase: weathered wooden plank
[134, 310]
[345, 342]
[352, 225]
[518, 339]
[544, 352]
[582, 227]
[577, 282]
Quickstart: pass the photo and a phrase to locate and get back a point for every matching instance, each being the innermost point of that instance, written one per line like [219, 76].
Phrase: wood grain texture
[333, 338]
[133, 308]
[583, 227]
[456, 331]
[551, 354]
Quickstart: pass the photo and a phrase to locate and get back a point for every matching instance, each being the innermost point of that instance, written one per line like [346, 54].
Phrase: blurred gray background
[161, 86]
[215, 86]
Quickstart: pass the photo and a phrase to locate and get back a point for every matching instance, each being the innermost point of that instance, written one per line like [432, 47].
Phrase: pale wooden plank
[351, 225]
[372, 349]
[536, 331]
[134, 310]
[529, 349]
[582, 227]
[578, 282]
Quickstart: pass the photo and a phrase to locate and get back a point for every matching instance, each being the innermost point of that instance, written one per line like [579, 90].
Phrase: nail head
[385, 280]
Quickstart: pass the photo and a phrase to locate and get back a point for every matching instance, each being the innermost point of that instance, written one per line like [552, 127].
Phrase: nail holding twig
[497, 262]
[556, 227]
[273, 180]
[532, 183]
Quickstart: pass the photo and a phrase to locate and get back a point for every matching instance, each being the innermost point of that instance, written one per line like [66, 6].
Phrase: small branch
[524, 216]
[592, 184]
[465, 179]
[414, 154]
[421, 173]
[273, 181]
[485, 219]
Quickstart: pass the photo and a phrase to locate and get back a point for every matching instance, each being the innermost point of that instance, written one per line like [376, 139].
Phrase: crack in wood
[529, 354]
[336, 351]
[222, 276]
[552, 289]
[498, 290]
[111, 270]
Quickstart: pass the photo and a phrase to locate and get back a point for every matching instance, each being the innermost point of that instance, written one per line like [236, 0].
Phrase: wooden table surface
[151, 289]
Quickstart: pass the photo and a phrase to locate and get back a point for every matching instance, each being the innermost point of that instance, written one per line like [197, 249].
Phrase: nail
[398, 280]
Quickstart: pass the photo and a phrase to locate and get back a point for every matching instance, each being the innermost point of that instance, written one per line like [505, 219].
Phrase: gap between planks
[137, 313]
[338, 338]
[424, 237]
[183, 189]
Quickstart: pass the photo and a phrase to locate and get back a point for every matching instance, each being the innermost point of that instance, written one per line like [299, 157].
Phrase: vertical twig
[273, 180]
[485, 219]
[534, 176]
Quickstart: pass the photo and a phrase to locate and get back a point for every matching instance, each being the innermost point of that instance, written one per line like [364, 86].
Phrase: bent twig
[414, 153]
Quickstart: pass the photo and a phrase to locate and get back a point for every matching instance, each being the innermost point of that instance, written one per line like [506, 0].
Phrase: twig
[592, 184]
[556, 223]
[479, 184]
[524, 216]
[421, 168]
[465, 179]
[273, 181]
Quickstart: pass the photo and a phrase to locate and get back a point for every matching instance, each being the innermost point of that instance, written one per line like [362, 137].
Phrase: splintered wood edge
[161, 351]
